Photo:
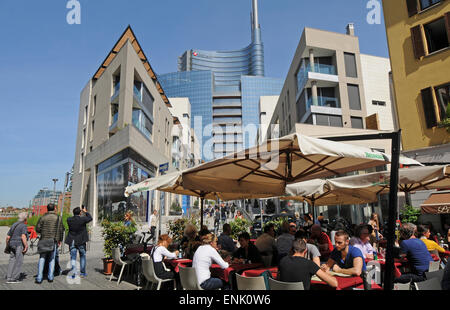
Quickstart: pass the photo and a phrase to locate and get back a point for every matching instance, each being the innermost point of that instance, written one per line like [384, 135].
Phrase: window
[428, 107]
[185, 115]
[350, 65]
[353, 97]
[92, 130]
[328, 120]
[81, 162]
[94, 105]
[85, 115]
[381, 103]
[436, 35]
[83, 138]
[357, 122]
[427, 3]
[443, 98]
[416, 37]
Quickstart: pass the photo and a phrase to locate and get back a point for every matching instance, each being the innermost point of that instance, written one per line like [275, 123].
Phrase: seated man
[297, 268]
[345, 258]
[321, 240]
[225, 242]
[312, 252]
[417, 254]
[284, 241]
[266, 242]
[247, 251]
[362, 240]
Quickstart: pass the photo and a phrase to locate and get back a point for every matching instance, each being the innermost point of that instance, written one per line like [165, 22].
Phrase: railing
[137, 93]
[142, 128]
[324, 102]
[114, 121]
[302, 76]
[116, 89]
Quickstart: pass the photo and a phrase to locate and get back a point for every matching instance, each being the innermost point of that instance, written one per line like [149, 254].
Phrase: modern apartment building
[224, 89]
[418, 33]
[324, 85]
[124, 133]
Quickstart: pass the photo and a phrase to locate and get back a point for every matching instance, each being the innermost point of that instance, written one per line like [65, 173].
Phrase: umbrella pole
[393, 204]
[202, 200]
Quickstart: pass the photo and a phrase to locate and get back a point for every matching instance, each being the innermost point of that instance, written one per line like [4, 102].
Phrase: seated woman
[424, 235]
[248, 251]
[362, 240]
[190, 241]
[203, 259]
[159, 253]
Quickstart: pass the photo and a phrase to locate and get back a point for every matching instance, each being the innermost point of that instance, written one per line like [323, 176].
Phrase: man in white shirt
[153, 222]
[202, 261]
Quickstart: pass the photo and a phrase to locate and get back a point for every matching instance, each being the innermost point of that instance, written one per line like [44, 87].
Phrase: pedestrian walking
[77, 237]
[153, 222]
[51, 229]
[17, 241]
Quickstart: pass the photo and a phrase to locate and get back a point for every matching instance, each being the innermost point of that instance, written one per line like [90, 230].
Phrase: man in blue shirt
[417, 254]
[345, 258]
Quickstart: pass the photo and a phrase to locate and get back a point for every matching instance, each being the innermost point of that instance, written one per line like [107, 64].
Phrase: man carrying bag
[51, 229]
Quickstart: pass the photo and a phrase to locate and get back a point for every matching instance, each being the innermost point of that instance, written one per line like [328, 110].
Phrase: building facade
[418, 33]
[224, 89]
[124, 134]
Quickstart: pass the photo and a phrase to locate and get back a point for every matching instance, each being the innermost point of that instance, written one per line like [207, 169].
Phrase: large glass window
[427, 3]
[353, 97]
[350, 65]
[443, 99]
[436, 35]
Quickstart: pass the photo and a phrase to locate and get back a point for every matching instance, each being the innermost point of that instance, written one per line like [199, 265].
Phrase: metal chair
[118, 261]
[429, 285]
[188, 279]
[434, 266]
[285, 286]
[402, 286]
[149, 273]
[250, 283]
[376, 273]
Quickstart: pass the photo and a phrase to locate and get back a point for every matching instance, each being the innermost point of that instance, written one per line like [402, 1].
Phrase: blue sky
[45, 63]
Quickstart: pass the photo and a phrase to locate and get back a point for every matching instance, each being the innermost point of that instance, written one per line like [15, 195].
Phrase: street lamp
[54, 188]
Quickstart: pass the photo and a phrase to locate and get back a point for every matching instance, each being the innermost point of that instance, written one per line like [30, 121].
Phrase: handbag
[8, 248]
[48, 245]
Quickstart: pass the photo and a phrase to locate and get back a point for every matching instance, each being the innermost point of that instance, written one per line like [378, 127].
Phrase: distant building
[42, 199]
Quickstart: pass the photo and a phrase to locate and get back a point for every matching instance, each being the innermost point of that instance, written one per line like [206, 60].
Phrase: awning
[437, 203]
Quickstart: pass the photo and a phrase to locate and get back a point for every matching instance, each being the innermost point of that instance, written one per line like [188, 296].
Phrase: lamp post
[54, 188]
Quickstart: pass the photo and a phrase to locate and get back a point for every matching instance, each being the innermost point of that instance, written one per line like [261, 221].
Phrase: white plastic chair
[402, 286]
[188, 278]
[118, 261]
[429, 285]
[250, 283]
[285, 286]
[148, 270]
[376, 273]
[435, 274]
[434, 266]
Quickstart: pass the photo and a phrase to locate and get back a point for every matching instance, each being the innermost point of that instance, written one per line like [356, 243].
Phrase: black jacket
[77, 229]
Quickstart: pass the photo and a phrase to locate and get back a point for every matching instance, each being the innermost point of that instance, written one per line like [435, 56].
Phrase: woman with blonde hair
[375, 223]
[159, 253]
[203, 259]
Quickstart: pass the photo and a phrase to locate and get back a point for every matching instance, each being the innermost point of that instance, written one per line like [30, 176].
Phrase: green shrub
[115, 234]
[410, 214]
[176, 228]
[277, 224]
[8, 222]
[239, 226]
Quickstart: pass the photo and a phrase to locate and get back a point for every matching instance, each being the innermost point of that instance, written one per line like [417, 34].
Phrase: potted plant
[115, 234]
[239, 226]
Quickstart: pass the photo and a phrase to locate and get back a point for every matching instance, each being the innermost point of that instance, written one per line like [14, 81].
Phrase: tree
[409, 214]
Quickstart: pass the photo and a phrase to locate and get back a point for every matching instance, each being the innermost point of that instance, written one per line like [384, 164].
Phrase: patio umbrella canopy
[318, 193]
[267, 168]
[437, 203]
[410, 179]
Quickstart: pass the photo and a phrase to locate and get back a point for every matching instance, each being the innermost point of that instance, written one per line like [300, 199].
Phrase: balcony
[321, 72]
[139, 121]
[137, 94]
[327, 102]
[113, 128]
[115, 96]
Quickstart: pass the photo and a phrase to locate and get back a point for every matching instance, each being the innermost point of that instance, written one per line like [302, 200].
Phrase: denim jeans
[50, 257]
[73, 257]
[211, 284]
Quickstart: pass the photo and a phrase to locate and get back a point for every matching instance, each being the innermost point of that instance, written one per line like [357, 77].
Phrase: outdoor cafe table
[316, 283]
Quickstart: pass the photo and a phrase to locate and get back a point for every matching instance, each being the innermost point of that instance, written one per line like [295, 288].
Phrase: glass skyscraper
[224, 88]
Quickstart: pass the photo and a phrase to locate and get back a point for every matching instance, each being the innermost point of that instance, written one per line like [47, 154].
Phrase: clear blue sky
[45, 63]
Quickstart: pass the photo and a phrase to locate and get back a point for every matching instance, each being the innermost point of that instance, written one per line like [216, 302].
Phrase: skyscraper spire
[255, 17]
